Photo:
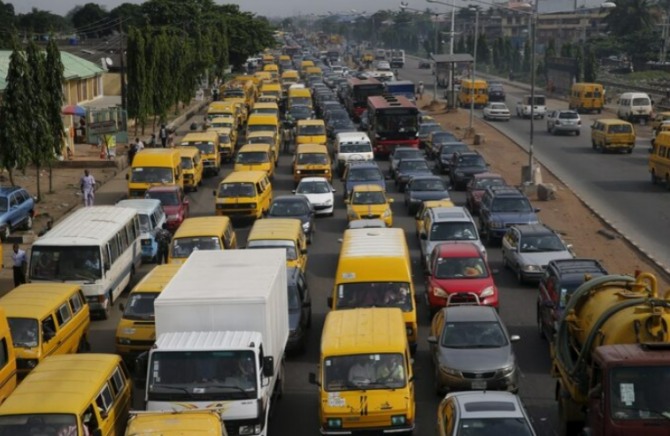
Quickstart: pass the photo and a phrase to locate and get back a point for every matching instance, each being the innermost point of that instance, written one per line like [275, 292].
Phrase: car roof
[313, 179]
[488, 175]
[291, 198]
[458, 249]
[470, 313]
[368, 188]
[10, 189]
[488, 404]
[576, 267]
[505, 191]
[362, 163]
[533, 229]
[467, 153]
[413, 159]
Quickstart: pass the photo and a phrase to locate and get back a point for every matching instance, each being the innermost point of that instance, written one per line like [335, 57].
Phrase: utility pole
[122, 65]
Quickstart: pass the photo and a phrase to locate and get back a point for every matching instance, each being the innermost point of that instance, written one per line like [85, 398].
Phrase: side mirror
[141, 364]
[311, 379]
[303, 251]
[186, 202]
[390, 200]
[515, 338]
[333, 190]
[329, 301]
[536, 210]
[346, 201]
[293, 191]
[432, 340]
[268, 366]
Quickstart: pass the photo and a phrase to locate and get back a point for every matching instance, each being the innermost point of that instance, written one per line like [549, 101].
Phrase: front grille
[235, 206]
[312, 172]
[463, 298]
[371, 216]
[322, 207]
[137, 193]
[479, 375]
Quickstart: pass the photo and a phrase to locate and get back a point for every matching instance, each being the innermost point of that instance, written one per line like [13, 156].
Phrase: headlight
[250, 429]
[398, 420]
[488, 292]
[532, 268]
[387, 213]
[496, 225]
[173, 217]
[297, 171]
[333, 423]
[328, 202]
[450, 371]
[508, 370]
[439, 292]
[128, 331]
[123, 341]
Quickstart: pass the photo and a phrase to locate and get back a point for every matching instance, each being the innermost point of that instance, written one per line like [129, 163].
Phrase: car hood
[470, 170]
[432, 244]
[350, 184]
[476, 359]
[543, 258]
[316, 199]
[429, 195]
[409, 173]
[369, 209]
[515, 217]
[171, 210]
[303, 218]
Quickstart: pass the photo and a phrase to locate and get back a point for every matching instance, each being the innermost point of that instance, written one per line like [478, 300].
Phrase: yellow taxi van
[374, 269]
[281, 233]
[263, 108]
[46, 319]
[136, 331]
[263, 77]
[262, 123]
[313, 72]
[244, 194]
[311, 160]
[587, 97]
[255, 157]
[659, 160]
[266, 137]
[273, 69]
[227, 141]
[223, 121]
[369, 202]
[202, 233]
[8, 379]
[300, 97]
[288, 78]
[365, 376]
[658, 120]
[310, 132]
[218, 109]
[154, 167]
[477, 89]
[272, 89]
[200, 422]
[192, 167]
[74, 394]
[208, 144]
[303, 67]
[612, 134]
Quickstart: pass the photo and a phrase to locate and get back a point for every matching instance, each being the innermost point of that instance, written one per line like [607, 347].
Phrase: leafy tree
[629, 17]
[138, 87]
[53, 88]
[483, 51]
[7, 23]
[15, 115]
[247, 34]
[527, 54]
[567, 50]
[590, 65]
[549, 52]
[130, 14]
[41, 150]
[42, 22]
[158, 54]
[92, 21]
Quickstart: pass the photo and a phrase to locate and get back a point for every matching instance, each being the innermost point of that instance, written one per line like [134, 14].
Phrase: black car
[424, 64]
[496, 92]
[560, 280]
[447, 150]
[403, 153]
[435, 141]
[299, 309]
[424, 188]
[294, 206]
[408, 168]
[339, 126]
[464, 165]
[425, 129]
[299, 112]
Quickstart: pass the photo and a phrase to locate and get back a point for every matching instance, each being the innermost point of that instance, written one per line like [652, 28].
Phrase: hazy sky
[274, 8]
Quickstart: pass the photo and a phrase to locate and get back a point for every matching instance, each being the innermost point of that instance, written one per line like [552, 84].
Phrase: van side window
[113, 250]
[63, 314]
[4, 355]
[118, 382]
[48, 327]
[76, 303]
[104, 400]
[259, 188]
[105, 256]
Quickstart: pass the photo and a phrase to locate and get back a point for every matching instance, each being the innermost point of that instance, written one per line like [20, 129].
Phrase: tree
[92, 21]
[590, 65]
[7, 23]
[138, 89]
[158, 56]
[16, 119]
[41, 150]
[54, 91]
[42, 22]
[483, 51]
[130, 15]
[549, 53]
[629, 16]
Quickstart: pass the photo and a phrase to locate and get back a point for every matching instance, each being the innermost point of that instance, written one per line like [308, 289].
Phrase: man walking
[87, 184]
[163, 238]
[19, 259]
[163, 135]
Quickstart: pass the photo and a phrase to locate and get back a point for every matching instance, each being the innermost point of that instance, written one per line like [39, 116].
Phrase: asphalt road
[296, 413]
[617, 186]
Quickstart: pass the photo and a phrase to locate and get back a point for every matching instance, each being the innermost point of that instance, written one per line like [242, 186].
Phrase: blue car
[17, 209]
[361, 173]
[503, 207]
[424, 188]
[408, 168]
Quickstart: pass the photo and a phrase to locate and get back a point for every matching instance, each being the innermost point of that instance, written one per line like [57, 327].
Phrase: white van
[634, 106]
[352, 146]
[152, 217]
[524, 107]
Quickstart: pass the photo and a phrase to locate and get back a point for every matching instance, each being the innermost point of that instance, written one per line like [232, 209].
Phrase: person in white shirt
[361, 372]
[20, 262]
[139, 144]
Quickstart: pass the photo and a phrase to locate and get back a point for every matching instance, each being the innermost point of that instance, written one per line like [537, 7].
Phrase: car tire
[6, 233]
[519, 276]
[28, 223]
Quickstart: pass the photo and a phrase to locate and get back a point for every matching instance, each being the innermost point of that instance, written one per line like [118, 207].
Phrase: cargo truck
[611, 358]
[222, 329]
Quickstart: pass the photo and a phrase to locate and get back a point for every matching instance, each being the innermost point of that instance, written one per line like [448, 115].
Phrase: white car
[383, 66]
[319, 192]
[496, 111]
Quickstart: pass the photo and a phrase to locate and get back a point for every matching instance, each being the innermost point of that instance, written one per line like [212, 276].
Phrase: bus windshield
[59, 264]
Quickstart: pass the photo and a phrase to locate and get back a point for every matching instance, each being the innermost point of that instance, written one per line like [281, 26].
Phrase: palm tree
[630, 16]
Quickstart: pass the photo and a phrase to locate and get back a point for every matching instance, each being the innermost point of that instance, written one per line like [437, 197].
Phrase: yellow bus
[208, 144]
[477, 89]
[365, 378]
[8, 361]
[154, 167]
[202, 233]
[375, 269]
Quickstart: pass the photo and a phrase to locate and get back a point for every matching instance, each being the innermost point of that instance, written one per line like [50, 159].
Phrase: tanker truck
[611, 358]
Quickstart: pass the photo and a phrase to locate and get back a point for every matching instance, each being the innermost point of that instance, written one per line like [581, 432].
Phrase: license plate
[479, 385]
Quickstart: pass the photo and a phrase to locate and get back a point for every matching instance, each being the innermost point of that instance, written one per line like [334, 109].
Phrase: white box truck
[222, 328]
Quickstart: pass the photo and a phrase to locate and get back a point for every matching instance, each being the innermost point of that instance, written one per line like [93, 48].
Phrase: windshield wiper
[246, 393]
[174, 388]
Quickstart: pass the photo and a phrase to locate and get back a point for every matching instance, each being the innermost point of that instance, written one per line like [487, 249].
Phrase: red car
[174, 202]
[476, 187]
[458, 274]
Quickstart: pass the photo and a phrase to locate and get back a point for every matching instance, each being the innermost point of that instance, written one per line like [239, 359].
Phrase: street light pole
[435, 59]
[533, 30]
[474, 66]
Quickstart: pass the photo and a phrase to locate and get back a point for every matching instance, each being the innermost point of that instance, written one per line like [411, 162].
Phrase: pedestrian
[20, 263]
[170, 140]
[163, 238]
[132, 151]
[152, 141]
[87, 184]
[419, 91]
[139, 144]
[163, 135]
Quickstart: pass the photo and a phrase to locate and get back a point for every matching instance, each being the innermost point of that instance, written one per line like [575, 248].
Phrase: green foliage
[483, 51]
[136, 66]
[629, 17]
[92, 21]
[590, 65]
[158, 52]
[130, 14]
[53, 87]
[7, 23]
[42, 22]
[41, 149]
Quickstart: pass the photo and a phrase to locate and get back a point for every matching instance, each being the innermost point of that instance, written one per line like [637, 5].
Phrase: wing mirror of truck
[268, 366]
[141, 364]
[515, 338]
[432, 340]
[329, 301]
[312, 379]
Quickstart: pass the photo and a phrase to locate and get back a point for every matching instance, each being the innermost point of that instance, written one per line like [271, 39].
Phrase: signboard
[100, 127]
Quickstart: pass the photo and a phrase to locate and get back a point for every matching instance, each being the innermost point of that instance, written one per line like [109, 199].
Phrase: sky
[283, 8]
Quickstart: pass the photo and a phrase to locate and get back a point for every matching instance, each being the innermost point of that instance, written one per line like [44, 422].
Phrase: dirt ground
[588, 234]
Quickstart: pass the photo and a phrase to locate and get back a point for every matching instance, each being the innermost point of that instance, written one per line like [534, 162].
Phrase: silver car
[483, 413]
[564, 121]
[496, 111]
[472, 350]
[527, 249]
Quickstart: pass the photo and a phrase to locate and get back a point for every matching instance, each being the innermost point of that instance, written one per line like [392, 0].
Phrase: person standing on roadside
[163, 238]
[132, 151]
[419, 91]
[20, 264]
[87, 185]
[139, 144]
[163, 135]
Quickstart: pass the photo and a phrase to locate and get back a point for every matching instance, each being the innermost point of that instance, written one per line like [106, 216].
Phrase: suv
[447, 224]
[464, 165]
[299, 309]
[564, 121]
[361, 173]
[560, 280]
[17, 209]
[502, 207]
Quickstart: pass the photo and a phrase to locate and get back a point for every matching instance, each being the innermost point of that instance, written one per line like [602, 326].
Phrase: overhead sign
[100, 127]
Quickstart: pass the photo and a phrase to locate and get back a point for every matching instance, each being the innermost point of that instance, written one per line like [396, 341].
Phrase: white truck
[222, 329]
